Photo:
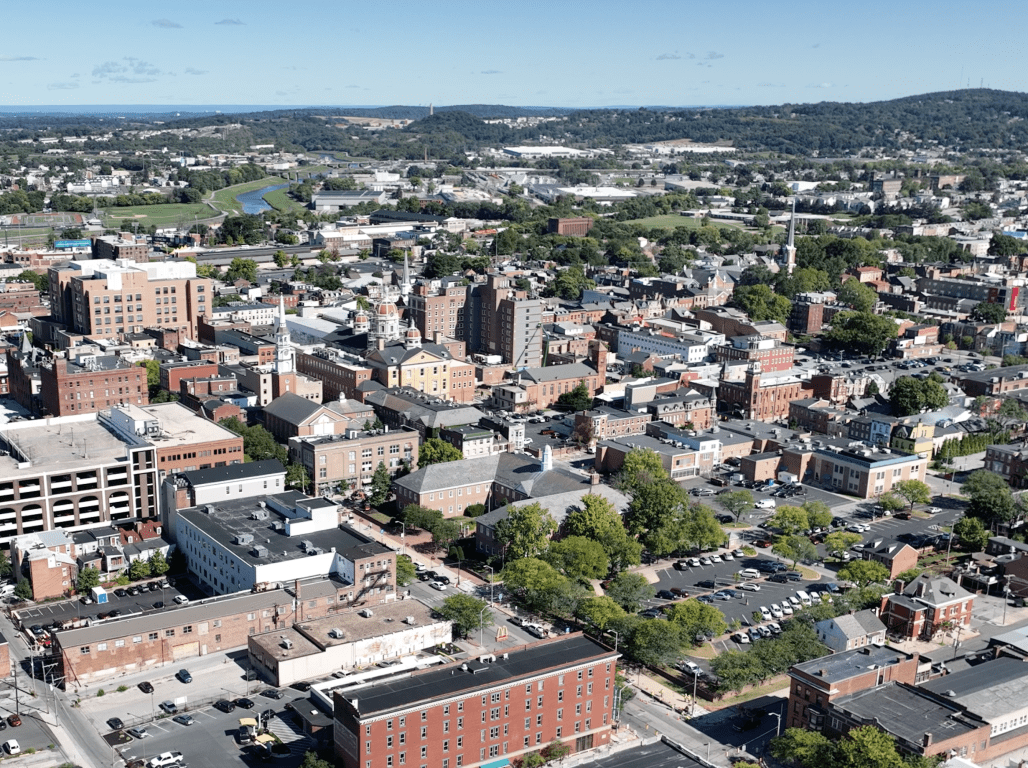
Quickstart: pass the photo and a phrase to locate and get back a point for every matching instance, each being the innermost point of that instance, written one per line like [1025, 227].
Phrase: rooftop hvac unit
[287, 643]
[259, 551]
[367, 613]
[259, 514]
[307, 545]
[242, 538]
[315, 551]
[336, 633]
[410, 620]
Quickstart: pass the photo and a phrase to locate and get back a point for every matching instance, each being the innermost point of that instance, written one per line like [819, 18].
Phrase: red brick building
[813, 685]
[173, 372]
[338, 377]
[91, 383]
[771, 355]
[578, 226]
[755, 396]
[926, 606]
[480, 711]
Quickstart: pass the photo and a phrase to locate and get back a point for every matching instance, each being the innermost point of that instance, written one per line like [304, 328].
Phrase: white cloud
[62, 86]
[230, 22]
[166, 24]
[20, 58]
[668, 57]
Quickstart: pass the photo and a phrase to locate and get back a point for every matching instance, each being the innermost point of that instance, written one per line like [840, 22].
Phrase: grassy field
[667, 221]
[25, 235]
[280, 200]
[225, 199]
[165, 215]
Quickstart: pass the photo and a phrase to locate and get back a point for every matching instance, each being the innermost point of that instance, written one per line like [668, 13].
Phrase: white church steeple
[283, 346]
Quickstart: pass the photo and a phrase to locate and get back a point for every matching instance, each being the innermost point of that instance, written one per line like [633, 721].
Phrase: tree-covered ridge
[964, 119]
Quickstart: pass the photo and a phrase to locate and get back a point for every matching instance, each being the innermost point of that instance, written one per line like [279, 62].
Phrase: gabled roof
[935, 591]
[294, 409]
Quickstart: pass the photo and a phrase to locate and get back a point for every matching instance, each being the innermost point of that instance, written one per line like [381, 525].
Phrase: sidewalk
[658, 691]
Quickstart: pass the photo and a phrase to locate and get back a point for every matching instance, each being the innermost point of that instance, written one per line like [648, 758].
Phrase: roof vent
[259, 551]
[410, 620]
[336, 633]
[367, 613]
[243, 538]
[287, 643]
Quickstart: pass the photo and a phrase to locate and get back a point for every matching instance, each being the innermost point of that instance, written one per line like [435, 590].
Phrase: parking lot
[69, 610]
[212, 740]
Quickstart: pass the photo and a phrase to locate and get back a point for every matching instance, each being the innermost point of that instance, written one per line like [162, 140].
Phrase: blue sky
[671, 52]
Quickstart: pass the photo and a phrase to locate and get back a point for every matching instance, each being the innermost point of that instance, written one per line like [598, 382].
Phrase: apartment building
[482, 711]
[110, 298]
[1009, 462]
[354, 456]
[772, 355]
[89, 383]
[437, 306]
[925, 606]
[508, 324]
[341, 377]
[994, 383]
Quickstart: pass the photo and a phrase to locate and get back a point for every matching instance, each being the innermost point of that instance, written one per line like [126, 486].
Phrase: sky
[524, 53]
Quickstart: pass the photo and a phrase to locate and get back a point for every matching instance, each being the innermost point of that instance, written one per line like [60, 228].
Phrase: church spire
[405, 284]
[788, 252]
[283, 345]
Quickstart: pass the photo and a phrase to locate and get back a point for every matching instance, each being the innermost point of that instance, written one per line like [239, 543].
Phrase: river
[253, 201]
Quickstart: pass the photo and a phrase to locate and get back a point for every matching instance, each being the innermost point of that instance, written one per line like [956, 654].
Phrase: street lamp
[481, 625]
[778, 716]
[617, 637]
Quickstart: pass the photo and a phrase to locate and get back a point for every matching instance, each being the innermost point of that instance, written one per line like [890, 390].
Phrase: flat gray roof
[65, 444]
[842, 666]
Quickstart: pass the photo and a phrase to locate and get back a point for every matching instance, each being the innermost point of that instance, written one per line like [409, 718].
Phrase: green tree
[864, 572]
[654, 505]
[696, 619]
[861, 331]
[795, 548]
[914, 491]
[297, 477]
[23, 589]
[525, 532]
[600, 611]
[424, 518]
[405, 571]
[989, 312]
[971, 533]
[578, 399]
[819, 514]
[578, 557]
[570, 283]
[629, 590]
[555, 750]
[88, 578]
[656, 642]
[446, 532]
[857, 295]
[6, 569]
[640, 468]
[891, 502]
[436, 451]
[467, 613]
[281, 259]
[598, 520]
[802, 748]
[909, 396]
[158, 563]
[139, 569]
[735, 670]
[760, 302]
[381, 483]
[736, 502]
[530, 574]
[241, 269]
[867, 747]
[153, 372]
[789, 520]
[989, 497]
[840, 541]
[311, 760]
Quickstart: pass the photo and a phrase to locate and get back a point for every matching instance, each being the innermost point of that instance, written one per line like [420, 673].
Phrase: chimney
[437, 337]
[594, 478]
[380, 344]
[897, 587]
[926, 740]
[546, 462]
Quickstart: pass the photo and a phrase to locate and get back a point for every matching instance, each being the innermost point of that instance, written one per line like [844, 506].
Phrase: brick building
[437, 306]
[481, 711]
[770, 353]
[925, 606]
[1009, 462]
[354, 455]
[896, 556]
[684, 456]
[611, 422]
[473, 441]
[108, 298]
[291, 415]
[750, 394]
[578, 226]
[994, 383]
[340, 377]
[813, 685]
[173, 371]
[863, 472]
[90, 383]
[684, 407]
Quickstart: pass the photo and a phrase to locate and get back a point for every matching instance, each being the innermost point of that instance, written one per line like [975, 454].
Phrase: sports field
[48, 219]
[164, 215]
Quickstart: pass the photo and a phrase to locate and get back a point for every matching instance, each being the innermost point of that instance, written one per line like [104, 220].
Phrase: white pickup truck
[165, 759]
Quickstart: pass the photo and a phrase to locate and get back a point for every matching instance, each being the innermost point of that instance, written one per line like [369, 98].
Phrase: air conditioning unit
[336, 633]
[287, 643]
[367, 613]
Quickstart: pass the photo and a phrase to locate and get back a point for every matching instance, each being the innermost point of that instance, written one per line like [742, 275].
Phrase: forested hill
[961, 120]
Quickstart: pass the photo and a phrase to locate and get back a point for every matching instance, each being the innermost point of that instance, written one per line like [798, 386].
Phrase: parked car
[690, 667]
[224, 705]
[169, 707]
[765, 504]
[121, 592]
[749, 586]
[138, 733]
[181, 599]
[183, 719]
[244, 703]
[115, 724]
[741, 637]
[779, 578]
[765, 613]
[12, 747]
[145, 687]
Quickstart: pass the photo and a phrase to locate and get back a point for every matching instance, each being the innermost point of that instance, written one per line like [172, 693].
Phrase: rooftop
[231, 521]
[386, 619]
[66, 444]
[906, 713]
[232, 472]
[837, 667]
[419, 689]
[992, 690]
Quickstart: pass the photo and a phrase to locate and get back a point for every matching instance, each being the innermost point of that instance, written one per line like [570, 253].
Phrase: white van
[749, 573]
[803, 597]
[7, 590]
